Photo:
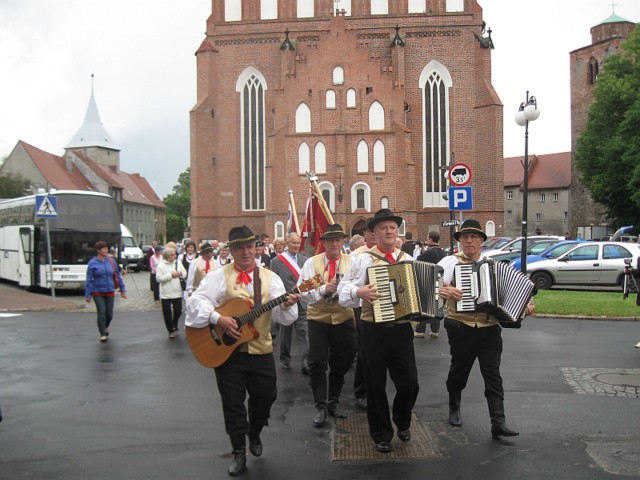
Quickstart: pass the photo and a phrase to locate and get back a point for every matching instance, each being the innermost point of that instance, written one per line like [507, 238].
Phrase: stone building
[548, 194]
[92, 162]
[586, 63]
[376, 97]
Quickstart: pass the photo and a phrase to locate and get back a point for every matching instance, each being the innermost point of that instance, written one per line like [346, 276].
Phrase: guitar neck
[267, 307]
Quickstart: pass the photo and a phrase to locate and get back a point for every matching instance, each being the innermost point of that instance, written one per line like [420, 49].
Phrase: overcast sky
[142, 55]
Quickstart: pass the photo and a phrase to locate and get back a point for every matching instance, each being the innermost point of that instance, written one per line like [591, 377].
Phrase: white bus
[84, 218]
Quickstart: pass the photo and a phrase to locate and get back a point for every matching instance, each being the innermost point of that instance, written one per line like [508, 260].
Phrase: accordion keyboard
[383, 311]
[466, 281]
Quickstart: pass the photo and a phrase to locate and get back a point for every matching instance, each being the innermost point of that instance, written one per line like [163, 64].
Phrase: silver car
[588, 263]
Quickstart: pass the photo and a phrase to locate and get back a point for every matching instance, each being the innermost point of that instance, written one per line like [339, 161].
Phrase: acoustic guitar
[212, 346]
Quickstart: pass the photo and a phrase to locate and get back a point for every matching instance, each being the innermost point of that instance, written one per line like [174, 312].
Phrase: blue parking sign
[460, 198]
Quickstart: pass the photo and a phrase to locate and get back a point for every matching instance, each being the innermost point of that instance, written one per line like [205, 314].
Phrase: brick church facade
[377, 98]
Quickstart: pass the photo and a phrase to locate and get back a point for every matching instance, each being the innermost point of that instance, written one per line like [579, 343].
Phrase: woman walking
[168, 276]
[103, 279]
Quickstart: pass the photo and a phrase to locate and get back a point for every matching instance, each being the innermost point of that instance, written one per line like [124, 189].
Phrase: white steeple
[92, 133]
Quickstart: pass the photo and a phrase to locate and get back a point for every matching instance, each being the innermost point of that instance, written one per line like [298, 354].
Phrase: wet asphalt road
[140, 407]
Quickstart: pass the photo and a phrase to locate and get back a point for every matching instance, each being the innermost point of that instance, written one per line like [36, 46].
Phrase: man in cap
[199, 268]
[385, 347]
[288, 266]
[473, 335]
[332, 340]
[251, 368]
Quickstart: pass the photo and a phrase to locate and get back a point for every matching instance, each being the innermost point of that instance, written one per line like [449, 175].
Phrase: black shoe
[361, 402]
[238, 464]
[321, 417]
[255, 444]
[455, 418]
[306, 371]
[383, 447]
[335, 411]
[502, 430]
[286, 366]
[404, 435]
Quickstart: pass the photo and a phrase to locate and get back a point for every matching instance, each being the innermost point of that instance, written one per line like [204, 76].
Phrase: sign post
[460, 196]
[47, 207]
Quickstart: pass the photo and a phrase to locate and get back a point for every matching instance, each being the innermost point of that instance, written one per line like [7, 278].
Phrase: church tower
[93, 139]
[586, 63]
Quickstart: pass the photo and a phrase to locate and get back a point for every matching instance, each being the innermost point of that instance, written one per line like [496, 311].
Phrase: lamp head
[531, 111]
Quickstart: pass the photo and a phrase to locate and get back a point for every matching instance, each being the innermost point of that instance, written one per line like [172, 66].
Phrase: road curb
[587, 317]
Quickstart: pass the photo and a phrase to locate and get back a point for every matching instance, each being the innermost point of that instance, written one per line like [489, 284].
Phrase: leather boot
[321, 417]
[334, 410]
[455, 418]
[255, 443]
[499, 426]
[239, 463]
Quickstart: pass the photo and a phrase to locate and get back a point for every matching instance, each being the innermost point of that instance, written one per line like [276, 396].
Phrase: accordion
[495, 288]
[407, 290]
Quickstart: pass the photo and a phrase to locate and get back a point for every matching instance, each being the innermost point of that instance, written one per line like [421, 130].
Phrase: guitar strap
[257, 288]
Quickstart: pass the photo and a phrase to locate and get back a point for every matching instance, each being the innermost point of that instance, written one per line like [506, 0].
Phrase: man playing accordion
[473, 335]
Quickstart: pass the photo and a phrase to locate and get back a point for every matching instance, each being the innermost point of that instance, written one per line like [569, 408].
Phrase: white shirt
[309, 271]
[356, 277]
[191, 275]
[209, 295]
[448, 263]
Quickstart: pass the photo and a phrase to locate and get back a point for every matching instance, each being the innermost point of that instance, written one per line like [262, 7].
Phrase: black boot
[499, 426]
[239, 463]
[255, 444]
[321, 417]
[455, 418]
[334, 410]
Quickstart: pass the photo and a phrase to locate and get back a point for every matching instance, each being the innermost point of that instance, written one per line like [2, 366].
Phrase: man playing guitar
[251, 367]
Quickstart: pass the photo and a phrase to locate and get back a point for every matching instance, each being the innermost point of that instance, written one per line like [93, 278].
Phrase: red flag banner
[315, 224]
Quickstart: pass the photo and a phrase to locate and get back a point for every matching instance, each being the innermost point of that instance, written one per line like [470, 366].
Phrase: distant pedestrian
[103, 279]
[168, 277]
[433, 254]
[154, 261]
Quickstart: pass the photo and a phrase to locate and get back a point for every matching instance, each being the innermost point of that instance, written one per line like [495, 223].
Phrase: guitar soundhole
[227, 340]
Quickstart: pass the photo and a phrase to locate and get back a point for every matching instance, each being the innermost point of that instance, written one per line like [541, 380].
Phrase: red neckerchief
[243, 277]
[331, 266]
[388, 255]
[207, 266]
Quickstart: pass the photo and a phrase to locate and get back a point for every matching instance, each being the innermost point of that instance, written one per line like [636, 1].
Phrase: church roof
[614, 19]
[92, 133]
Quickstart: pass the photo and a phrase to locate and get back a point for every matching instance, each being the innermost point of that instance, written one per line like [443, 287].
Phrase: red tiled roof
[545, 171]
[54, 169]
[146, 188]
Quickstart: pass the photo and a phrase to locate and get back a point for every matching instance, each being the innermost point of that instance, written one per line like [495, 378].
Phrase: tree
[13, 185]
[178, 206]
[608, 151]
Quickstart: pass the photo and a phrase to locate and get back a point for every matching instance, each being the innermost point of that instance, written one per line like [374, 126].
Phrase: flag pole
[294, 215]
[316, 190]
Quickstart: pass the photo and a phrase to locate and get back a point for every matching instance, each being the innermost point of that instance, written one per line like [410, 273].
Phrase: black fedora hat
[333, 231]
[469, 226]
[382, 215]
[240, 236]
[206, 248]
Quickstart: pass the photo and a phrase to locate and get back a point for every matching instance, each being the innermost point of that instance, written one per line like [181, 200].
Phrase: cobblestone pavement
[613, 382]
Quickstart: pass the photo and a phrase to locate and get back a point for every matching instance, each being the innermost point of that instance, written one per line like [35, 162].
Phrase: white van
[131, 254]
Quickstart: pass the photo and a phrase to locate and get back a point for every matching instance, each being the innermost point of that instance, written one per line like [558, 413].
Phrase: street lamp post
[528, 112]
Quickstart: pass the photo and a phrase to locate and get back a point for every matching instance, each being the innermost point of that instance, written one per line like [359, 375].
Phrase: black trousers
[331, 346]
[241, 374]
[388, 347]
[171, 311]
[465, 345]
[359, 387]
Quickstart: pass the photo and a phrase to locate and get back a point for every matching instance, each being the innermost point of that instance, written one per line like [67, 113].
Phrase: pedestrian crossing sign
[46, 206]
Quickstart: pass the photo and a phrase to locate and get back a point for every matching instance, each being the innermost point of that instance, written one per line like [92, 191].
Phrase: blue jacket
[100, 277]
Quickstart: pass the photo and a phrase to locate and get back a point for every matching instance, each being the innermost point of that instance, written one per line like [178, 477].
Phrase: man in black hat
[473, 335]
[386, 347]
[199, 268]
[332, 340]
[251, 368]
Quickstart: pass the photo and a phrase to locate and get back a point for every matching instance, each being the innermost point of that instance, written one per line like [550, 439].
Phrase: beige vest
[199, 274]
[367, 308]
[324, 311]
[262, 344]
[479, 319]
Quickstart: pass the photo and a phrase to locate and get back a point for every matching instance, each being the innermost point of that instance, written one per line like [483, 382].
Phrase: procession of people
[335, 323]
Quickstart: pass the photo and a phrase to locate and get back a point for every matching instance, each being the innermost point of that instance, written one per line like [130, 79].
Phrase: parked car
[516, 244]
[587, 263]
[533, 248]
[494, 242]
[554, 251]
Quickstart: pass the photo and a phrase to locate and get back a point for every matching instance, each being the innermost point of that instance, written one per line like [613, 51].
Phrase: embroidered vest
[329, 311]
[367, 308]
[262, 344]
[199, 274]
[478, 319]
